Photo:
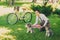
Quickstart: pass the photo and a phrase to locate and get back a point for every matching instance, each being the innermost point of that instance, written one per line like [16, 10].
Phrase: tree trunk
[11, 2]
[45, 2]
[34, 1]
[6, 1]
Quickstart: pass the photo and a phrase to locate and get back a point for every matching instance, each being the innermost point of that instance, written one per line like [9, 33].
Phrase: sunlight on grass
[4, 30]
[27, 7]
[54, 24]
[54, 6]
[19, 29]
[4, 34]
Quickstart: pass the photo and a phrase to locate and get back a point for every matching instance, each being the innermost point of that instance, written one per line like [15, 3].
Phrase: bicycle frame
[12, 18]
[20, 15]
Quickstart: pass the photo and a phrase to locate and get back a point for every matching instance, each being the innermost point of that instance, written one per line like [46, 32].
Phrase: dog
[49, 32]
[47, 29]
[30, 27]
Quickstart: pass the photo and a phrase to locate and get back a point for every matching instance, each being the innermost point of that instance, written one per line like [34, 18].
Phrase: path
[5, 10]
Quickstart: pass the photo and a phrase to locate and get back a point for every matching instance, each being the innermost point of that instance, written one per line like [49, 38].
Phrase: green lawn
[2, 3]
[16, 3]
[37, 35]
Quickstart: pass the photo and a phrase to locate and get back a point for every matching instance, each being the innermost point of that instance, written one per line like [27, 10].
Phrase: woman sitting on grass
[44, 22]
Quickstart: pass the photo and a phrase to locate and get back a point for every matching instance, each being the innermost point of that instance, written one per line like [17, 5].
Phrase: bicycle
[13, 18]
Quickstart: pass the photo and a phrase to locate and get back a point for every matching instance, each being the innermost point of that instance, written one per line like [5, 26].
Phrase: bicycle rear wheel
[12, 18]
[27, 17]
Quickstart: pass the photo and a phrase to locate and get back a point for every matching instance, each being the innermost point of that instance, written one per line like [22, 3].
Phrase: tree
[10, 2]
[13, 2]
[34, 1]
[45, 2]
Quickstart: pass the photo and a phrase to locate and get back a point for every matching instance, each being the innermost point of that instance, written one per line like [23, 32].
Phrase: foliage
[47, 10]
[57, 11]
[2, 3]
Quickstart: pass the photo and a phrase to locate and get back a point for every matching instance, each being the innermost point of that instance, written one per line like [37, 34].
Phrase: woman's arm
[45, 23]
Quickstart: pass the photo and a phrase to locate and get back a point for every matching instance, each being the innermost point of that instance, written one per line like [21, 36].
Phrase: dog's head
[28, 25]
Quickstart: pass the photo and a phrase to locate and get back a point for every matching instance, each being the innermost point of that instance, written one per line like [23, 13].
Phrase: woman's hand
[41, 26]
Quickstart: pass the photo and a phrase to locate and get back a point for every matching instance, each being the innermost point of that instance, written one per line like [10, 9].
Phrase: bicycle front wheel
[12, 18]
[27, 17]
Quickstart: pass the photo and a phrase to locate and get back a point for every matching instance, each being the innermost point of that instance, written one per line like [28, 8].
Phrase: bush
[57, 11]
[43, 9]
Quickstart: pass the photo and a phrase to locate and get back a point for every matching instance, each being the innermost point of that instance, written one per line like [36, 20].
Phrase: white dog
[29, 28]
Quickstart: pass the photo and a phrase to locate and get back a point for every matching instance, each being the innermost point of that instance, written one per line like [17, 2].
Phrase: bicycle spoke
[12, 18]
[27, 17]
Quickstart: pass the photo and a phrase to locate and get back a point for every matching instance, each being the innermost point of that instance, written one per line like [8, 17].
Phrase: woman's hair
[38, 11]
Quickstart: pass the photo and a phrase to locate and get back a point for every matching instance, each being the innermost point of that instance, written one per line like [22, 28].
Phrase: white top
[41, 17]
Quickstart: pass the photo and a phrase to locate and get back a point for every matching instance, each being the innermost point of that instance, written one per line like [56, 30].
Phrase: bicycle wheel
[27, 17]
[12, 18]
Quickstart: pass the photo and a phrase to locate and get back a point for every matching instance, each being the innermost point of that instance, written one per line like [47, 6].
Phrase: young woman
[44, 21]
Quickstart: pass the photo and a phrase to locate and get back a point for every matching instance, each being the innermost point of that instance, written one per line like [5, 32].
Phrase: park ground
[18, 30]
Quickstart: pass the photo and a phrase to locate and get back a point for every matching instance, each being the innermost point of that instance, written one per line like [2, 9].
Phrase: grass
[2, 3]
[22, 35]
[6, 4]
[16, 3]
